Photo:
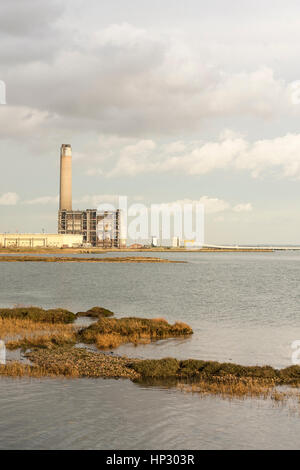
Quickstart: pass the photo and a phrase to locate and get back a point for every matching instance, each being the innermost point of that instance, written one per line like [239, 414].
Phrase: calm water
[243, 308]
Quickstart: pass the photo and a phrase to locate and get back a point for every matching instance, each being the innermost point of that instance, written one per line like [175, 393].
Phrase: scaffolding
[101, 229]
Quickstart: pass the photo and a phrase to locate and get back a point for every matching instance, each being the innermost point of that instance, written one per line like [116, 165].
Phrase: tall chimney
[65, 194]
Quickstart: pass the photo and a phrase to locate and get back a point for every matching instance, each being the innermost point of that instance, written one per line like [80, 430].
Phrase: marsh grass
[232, 387]
[16, 369]
[24, 333]
[110, 333]
[15, 328]
[48, 341]
[37, 314]
[96, 312]
[217, 372]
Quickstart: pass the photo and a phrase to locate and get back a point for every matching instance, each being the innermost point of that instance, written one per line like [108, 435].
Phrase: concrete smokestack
[65, 194]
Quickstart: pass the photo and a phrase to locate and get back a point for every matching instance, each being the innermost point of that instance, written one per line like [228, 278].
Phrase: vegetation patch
[96, 312]
[36, 314]
[48, 341]
[111, 332]
[16, 369]
[211, 370]
[234, 387]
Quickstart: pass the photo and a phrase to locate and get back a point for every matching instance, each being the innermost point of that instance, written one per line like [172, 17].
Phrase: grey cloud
[28, 17]
[29, 31]
[130, 81]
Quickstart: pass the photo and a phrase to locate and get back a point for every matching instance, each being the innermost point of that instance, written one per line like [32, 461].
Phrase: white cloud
[94, 200]
[211, 205]
[279, 157]
[42, 200]
[243, 207]
[9, 199]
[21, 121]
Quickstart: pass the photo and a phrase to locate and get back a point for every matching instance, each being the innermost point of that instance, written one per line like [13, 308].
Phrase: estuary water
[243, 307]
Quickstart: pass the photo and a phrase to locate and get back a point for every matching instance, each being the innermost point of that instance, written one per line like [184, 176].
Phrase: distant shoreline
[66, 259]
[61, 251]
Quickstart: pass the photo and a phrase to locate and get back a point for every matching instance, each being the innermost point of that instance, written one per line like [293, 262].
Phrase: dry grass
[48, 341]
[232, 387]
[96, 312]
[27, 333]
[16, 369]
[111, 332]
[37, 314]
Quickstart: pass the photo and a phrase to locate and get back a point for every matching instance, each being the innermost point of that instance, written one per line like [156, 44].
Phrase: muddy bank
[66, 259]
[79, 362]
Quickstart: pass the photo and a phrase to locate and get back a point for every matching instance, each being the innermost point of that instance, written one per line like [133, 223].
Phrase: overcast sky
[161, 101]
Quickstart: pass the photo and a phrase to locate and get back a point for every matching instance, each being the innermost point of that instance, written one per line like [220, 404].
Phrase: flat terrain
[57, 251]
[63, 259]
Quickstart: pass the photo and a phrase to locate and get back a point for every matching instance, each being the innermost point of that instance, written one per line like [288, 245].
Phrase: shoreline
[127, 259]
[59, 251]
[58, 348]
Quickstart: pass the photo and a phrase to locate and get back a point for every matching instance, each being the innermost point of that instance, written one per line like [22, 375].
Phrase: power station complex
[98, 228]
[76, 228]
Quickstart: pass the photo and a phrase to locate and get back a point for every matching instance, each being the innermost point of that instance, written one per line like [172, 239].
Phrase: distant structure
[98, 228]
[65, 192]
[40, 240]
[154, 242]
[175, 242]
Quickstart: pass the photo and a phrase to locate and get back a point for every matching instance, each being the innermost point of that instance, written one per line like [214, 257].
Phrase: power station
[90, 227]
[98, 228]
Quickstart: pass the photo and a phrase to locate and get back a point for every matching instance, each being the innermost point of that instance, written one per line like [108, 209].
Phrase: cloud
[29, 31]
[243, 207]
[42, 200]
[278, 157]
[132, 81]
[9, 199]
[94, 200]
[211, 205]
[133, 157]
[17, 122]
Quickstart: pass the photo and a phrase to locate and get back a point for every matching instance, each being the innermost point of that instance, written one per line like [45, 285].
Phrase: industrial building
[98, 228]
[38, 240]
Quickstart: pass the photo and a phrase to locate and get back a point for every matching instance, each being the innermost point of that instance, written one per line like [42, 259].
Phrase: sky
[162, 102]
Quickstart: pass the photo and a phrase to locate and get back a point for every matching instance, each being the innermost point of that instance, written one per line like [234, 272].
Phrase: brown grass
[16, 369]
[111, 332]
[37, 314]
[27, 333]
[48, 341]
[96, 312]
[231, 387]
